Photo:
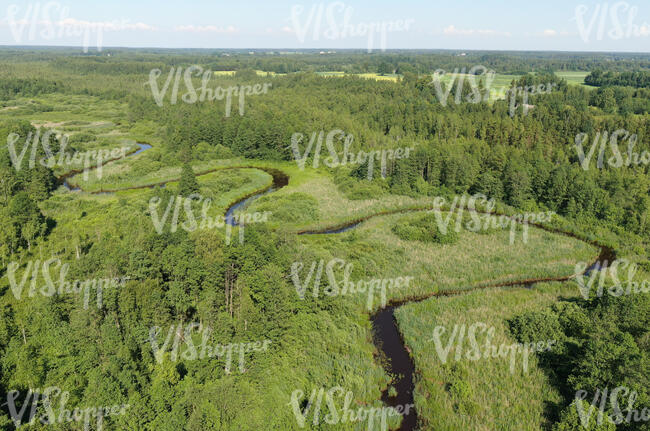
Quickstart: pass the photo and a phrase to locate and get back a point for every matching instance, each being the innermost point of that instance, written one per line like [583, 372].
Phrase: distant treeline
[127, 61]
[638, 79]
[10, 88]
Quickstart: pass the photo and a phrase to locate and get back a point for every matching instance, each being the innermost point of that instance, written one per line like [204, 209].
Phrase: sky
[550, 25]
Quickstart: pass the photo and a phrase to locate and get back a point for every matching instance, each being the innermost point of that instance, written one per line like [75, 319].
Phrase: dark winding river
[395, 356]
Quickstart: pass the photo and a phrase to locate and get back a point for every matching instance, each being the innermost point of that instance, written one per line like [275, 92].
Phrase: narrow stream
[73, 188]
[395, 356]
[280, 179]
[388, 339]
[397, 363]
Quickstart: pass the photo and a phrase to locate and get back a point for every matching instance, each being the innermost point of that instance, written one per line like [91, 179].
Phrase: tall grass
[482, 394]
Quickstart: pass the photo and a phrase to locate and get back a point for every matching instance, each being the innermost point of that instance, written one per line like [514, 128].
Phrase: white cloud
[453, 31]
[287, 29]
[553, 33]
[205, 29]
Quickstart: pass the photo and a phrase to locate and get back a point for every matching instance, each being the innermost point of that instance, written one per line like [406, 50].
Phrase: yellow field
[374, 76]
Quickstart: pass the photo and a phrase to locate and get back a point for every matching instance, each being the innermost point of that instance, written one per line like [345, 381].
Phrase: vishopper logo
[345, 287]
[92, 159]
[469, 90]
[617, 20]
[206, 93]
[48, 415]
[616, 288]
[376, 417]
[347, 157]
[205, 221]
[339, 17]
[62, 287]
[458, 79]
[458, 341]
[483, 221]
[184, 334]
[525, 93]
[618, 159]
[600, 404]
[40, 22]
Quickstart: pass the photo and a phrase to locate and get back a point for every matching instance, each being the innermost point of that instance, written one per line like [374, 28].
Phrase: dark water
[605, 259]
[280, 179]
[388, 340]
[230, 214]
[333, 230]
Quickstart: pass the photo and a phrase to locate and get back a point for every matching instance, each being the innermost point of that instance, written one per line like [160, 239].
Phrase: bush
[360, 190]
[424, 228]
[83, 137]
[535, 326]
[570, 419]
[222, 152]
[462, 392]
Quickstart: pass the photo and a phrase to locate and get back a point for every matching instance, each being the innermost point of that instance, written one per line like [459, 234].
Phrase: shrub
[570, 419]
[424, 228]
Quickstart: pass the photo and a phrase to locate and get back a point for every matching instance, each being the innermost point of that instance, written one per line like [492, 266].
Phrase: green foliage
[637, 79]
[595, 349]
[462, 392]
[188, 183]
[536, 326]
[426, 229]
[571, 421]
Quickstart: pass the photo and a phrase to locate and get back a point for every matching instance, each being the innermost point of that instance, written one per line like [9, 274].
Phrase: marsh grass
[147, 169]
[61, 109]
[475, 260]
[482, 394]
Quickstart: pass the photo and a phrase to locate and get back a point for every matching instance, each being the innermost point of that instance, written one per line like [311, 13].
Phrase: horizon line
[364, 50]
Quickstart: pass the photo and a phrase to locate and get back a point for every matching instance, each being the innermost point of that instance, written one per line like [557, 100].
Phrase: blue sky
[417, 24]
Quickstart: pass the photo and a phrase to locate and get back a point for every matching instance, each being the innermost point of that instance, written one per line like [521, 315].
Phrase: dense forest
[638, 79]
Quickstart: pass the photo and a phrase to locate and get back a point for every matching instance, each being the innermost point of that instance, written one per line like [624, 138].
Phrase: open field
[259, 73]
[574, 78]
[389, 77]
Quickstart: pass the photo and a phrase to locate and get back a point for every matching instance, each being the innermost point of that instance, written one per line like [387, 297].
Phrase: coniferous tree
[188, 183]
